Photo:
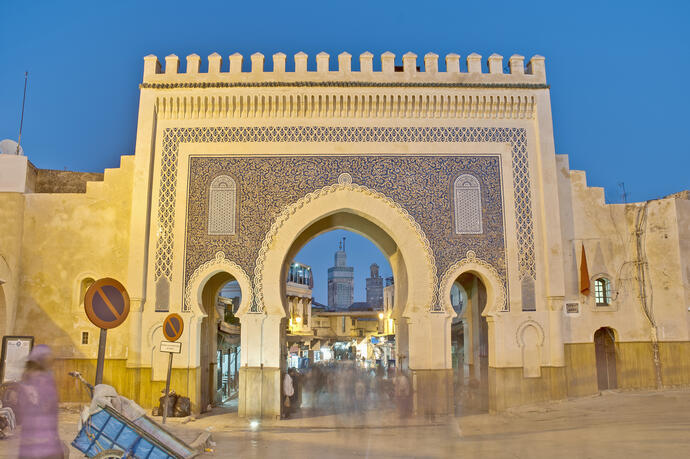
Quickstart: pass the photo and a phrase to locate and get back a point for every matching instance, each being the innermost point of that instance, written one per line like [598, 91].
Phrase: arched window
[83, 287]
[468, 205]
[602, 291]
[222, 206]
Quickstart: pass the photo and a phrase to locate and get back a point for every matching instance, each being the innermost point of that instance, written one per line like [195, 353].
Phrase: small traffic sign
[172, 330]
[106, 303]
[172, 327]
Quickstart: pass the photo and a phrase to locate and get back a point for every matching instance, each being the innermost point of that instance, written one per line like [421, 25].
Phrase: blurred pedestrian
[402, 393]
[360, 394]
[288, 392]
[296, 399]
[38, 406]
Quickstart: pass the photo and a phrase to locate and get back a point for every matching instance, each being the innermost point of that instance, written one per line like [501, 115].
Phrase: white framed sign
[173, 347]
[15, 350]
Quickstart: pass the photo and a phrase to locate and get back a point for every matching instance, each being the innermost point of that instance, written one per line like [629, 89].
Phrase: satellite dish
[9, 147]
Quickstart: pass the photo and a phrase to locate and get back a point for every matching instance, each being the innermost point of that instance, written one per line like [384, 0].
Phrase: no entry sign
[106, 303]
[172, 327]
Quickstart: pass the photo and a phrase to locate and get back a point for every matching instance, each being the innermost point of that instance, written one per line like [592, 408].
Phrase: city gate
[242, 168]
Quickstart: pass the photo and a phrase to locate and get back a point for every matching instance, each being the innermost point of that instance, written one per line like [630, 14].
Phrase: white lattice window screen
[468, 205]
[222, 206]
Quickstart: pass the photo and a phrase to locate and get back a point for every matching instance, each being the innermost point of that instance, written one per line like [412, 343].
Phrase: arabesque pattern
[515, 137]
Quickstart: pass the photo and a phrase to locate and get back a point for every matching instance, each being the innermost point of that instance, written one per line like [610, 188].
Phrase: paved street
[615, 424]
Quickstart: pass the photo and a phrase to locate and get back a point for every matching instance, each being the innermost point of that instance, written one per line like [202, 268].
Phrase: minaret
[341, 281]
[375, 287]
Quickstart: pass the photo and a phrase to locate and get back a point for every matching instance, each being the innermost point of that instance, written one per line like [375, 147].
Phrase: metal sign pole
[101, 356]
[167, 388]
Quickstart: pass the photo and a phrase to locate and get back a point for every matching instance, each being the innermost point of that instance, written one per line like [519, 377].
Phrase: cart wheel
[110, 454]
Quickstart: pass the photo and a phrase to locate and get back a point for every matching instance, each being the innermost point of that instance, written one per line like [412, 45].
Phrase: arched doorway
[219, 336]
[474, 290]
[470, 334]
[350, 330]
[210, 322]
[342, 334]
[605, 353]
[423, 338]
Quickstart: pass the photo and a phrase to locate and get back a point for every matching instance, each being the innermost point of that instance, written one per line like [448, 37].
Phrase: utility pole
[21, 122]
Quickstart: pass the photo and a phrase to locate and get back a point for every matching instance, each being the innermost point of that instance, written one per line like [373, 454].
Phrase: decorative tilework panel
[516, 137]
[422, 185]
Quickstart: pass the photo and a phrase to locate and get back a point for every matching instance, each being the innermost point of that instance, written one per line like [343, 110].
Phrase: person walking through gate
[402, 393]
[38, 407]
[288, 392]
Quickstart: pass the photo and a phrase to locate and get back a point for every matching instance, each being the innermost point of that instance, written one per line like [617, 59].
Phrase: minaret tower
[341, 281]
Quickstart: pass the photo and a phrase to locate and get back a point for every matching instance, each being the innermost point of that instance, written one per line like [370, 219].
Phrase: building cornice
[340, 84]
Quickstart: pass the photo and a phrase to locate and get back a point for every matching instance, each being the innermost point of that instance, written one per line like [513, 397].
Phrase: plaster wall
[66, 238]
[607, 232]
[11, 230]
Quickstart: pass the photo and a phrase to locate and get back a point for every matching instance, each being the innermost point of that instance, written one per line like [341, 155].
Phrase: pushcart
[109, 434]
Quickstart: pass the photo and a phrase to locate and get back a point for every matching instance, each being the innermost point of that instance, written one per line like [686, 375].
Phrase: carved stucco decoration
[495, 286]
[515, 137]
[258, 306]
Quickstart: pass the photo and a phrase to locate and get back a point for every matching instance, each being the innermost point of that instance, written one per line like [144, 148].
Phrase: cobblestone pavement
[630, 425]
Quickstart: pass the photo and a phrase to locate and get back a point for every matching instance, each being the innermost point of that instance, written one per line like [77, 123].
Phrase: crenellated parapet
[412, 73]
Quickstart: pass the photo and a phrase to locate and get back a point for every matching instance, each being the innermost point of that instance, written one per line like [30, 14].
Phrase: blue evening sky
[618, 70]
[319, 253]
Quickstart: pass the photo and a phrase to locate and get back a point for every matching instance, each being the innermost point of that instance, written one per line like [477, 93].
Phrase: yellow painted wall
[675, 363]
[68, 236]
[635, 365]
[508, 387]
[11, 224]
[581, 369]
[133, 383]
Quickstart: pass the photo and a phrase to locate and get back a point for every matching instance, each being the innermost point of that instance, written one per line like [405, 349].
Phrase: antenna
[624, 194]
[21, 122]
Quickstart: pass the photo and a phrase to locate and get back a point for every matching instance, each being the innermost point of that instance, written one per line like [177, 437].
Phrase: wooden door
[605, 350]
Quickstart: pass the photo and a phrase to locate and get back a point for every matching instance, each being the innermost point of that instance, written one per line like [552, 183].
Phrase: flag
[584, 273]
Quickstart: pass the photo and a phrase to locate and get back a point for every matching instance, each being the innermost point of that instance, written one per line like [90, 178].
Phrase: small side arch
[495, 290]
[520, 333]
[530, 338]
[193, 293]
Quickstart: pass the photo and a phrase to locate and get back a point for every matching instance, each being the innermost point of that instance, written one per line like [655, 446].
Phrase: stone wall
[54, 181]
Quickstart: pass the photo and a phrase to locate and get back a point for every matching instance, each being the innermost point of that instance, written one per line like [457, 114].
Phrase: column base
[259, 394]
[508, 387]
[432, 392]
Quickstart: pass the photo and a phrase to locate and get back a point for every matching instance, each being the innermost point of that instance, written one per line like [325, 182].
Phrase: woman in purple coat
[38, 406]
